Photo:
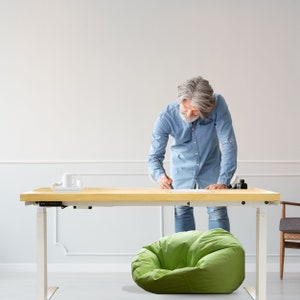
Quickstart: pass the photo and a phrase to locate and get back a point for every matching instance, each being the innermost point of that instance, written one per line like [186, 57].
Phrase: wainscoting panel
[113, 235]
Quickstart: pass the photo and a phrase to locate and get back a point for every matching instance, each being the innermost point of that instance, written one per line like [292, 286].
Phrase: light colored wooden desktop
[88, 197]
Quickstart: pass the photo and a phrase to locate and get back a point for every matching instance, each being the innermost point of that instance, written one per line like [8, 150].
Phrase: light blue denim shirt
[203, 152]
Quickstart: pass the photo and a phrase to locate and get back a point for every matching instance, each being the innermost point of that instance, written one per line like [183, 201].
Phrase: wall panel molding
[273, 174]
[62, 162]
[67, 252]
[132, 161]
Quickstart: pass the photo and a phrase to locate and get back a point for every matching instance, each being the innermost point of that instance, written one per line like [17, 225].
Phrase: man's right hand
[165, 182]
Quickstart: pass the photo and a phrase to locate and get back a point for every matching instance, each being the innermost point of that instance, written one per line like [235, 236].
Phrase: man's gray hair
[200, 93]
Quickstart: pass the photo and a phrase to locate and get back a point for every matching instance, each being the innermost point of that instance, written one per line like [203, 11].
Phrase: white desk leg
[261, 253]
[41, 226]
[43, 292]
[260, 291]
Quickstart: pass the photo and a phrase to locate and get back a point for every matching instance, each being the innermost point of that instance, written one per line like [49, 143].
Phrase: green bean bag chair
[191, 262]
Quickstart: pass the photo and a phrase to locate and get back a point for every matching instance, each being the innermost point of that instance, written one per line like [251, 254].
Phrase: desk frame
[261, 198]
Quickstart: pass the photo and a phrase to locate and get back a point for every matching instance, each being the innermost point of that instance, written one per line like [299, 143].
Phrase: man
[204, 150]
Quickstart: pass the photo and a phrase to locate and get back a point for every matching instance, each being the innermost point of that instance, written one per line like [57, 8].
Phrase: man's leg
[184, 218]
[218, 217]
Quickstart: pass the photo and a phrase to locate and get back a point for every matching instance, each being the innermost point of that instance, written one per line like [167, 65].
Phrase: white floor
[119, 286]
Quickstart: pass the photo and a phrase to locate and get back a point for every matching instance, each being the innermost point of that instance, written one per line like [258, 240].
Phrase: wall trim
[131, 161]
[269, 161]
[62, 162]
[241, 174]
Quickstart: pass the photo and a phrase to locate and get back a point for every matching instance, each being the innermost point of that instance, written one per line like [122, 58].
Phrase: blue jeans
[217, 218]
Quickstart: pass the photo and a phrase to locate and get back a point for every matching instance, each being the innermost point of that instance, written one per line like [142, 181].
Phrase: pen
[165, 173]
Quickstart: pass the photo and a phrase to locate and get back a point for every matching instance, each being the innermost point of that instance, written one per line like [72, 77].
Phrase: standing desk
[89, 197]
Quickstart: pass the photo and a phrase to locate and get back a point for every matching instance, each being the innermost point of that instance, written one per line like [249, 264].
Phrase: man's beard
[184, 117]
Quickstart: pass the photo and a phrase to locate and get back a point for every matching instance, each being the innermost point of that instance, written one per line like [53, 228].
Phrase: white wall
[82, 83]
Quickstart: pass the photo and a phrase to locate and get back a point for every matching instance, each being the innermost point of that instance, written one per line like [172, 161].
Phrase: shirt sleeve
[227, 141]
[160, 137]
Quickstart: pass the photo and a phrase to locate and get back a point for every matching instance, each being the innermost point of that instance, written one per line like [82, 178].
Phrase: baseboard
[274, 267]
[90, 268]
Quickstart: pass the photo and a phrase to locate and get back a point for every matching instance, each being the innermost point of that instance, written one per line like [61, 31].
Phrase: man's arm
[160, 137]
[227, 141]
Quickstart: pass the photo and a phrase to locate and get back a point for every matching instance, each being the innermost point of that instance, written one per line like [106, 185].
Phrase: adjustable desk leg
[261, 253]
[41, 228]
[260, 291]
[43, 293]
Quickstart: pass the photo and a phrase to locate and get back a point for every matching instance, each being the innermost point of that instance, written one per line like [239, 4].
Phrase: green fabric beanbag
[191, 262]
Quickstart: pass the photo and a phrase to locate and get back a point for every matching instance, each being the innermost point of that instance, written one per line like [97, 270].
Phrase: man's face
[188, 112]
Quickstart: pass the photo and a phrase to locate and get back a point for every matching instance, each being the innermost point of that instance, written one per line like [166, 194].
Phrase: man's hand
[216, 186]
[165, 182]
